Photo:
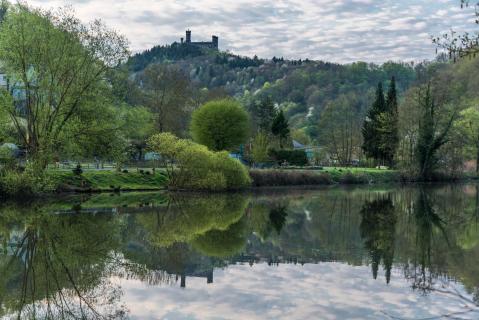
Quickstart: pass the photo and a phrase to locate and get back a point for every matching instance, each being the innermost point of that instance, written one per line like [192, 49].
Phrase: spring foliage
[220, 125]
[193, 167]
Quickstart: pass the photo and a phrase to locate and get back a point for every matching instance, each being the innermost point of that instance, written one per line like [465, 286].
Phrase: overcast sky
[340, 31]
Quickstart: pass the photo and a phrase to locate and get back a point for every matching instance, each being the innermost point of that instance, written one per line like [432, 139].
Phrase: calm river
[333, 253]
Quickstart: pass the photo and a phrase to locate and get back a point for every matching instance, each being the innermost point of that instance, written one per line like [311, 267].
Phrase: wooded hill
[303, 88]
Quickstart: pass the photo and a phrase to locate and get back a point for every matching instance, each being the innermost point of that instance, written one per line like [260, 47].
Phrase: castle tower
[188, 36]
[215, 42]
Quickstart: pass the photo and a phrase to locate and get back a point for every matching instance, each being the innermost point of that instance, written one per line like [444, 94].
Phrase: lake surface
[335, 253]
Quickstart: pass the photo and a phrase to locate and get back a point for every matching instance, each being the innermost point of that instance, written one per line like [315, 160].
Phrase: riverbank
[107, 181]
[95, 181]
[341, 176]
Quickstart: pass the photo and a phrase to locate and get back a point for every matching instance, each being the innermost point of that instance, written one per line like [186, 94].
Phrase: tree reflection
[378, 227]
[428, 225]
[51, 270]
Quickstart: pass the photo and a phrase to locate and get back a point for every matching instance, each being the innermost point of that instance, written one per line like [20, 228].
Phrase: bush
[220, 125]
[272, 178]
[193, 167]
[30, 181]
[78, 170]
[292, 157]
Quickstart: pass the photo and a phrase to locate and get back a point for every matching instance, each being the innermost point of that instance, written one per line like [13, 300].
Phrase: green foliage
[220, 125]
[263, 113]
[193, 166]
[67, 181]
[53, 57]
[389, 129]
[467, 125]
[23, 183]
[430, 138]
[380, 129]
[372, 126]
[260, 148]
[78, 170]
[292, 157]
[280, 128]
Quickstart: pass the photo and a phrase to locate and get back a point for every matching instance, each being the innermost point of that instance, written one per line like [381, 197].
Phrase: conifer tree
[265, 114]
[280, 128]
[389, 126]
[372, 127]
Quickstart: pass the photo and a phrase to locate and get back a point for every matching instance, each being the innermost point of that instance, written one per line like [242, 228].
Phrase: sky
[341, 31]
[328, 291]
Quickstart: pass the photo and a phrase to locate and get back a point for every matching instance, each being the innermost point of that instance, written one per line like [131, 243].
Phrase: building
[207, 45]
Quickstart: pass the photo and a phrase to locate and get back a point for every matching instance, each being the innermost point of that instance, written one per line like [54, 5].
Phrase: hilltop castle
[207, 45]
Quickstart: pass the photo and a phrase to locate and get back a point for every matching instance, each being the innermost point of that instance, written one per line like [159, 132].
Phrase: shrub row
[292, 157]
[272, 178]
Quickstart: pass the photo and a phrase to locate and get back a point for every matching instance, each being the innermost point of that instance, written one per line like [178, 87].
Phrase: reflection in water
[63, 259]
[378, 227]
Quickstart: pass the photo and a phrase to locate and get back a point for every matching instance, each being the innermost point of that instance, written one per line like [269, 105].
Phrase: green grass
[107, 181]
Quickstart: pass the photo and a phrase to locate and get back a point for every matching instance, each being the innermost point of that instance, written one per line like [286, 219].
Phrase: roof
[298, 145]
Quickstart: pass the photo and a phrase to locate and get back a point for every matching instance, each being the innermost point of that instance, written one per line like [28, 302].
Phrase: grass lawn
[107, 180]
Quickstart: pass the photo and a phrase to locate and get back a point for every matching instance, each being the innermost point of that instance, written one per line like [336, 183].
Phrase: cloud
[339, 31]
[312, 291]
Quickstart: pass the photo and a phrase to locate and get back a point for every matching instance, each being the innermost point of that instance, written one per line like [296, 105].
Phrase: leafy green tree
[430, 138]
[220, 125]
[280, 128]
[372, 127]
[468, 126]
[193, 166]
[59, 65]
[260, 148]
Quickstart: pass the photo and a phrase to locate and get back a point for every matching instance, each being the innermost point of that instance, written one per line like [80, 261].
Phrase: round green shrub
[220, 125]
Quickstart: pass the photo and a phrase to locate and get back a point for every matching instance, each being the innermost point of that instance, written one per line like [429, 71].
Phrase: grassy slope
[107, 180]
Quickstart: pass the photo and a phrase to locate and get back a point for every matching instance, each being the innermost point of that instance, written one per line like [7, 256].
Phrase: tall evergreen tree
[389, 129]
[280, 128]
[372, 127]
[265, 114]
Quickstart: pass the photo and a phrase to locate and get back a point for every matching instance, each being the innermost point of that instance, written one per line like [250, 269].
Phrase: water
[361, 253]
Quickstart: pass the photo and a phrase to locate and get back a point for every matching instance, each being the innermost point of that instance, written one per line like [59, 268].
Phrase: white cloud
[323, 291]
[340, 31]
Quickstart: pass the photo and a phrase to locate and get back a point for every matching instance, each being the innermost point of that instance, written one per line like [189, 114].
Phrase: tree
[264, 114]
[388, 126]
[372, 127]
[220, 125]
[460, 45]
[468, 126]
[280, 128]
[340, 128]
[59, 65]
[260, 148]
[165, 90]
[430, 137]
